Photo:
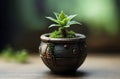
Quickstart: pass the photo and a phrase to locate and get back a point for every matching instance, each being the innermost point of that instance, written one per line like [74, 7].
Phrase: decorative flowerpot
[63, 54]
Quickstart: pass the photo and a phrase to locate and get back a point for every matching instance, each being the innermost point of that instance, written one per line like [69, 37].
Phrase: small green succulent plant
[63, 22]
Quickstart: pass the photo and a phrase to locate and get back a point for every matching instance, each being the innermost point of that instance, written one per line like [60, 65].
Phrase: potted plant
[63, 50]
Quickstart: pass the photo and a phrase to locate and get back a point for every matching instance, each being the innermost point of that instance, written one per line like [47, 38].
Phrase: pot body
[63, 55]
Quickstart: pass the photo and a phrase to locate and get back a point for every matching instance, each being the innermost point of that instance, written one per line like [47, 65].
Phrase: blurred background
[23, 21]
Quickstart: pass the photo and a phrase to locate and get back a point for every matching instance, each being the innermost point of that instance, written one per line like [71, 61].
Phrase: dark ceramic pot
[63, 54]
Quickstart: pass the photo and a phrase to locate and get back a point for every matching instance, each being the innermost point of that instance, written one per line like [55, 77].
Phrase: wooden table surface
[95, 67]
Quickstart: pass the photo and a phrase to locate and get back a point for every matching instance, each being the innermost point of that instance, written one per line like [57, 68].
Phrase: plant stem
[63, 31]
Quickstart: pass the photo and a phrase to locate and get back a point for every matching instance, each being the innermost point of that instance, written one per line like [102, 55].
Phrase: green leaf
[62, 16]
[52, 19]
[71, 16]
[67, 26]
[61, 23]
[54, 25]
[62, 20]
[66, 20]
[57, 15]
[74, 22]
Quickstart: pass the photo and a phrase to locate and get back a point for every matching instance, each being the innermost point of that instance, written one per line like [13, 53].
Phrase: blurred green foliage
[22, 56]
[28, 13]
[99, 15]
[9, 54]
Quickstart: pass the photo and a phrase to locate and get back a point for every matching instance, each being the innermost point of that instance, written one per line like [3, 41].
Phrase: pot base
[63, 65]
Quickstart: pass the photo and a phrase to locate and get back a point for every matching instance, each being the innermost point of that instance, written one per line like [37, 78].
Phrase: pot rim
[46, 38]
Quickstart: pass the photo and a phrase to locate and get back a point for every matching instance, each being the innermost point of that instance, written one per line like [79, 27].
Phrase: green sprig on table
[9, 54]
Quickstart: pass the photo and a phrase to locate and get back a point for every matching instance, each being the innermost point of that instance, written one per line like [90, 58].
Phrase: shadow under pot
[62, 55]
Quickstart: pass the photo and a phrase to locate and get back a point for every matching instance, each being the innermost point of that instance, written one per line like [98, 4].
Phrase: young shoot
[62, 21]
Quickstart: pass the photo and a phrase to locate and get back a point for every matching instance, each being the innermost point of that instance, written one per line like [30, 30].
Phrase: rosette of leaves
[62, 21]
